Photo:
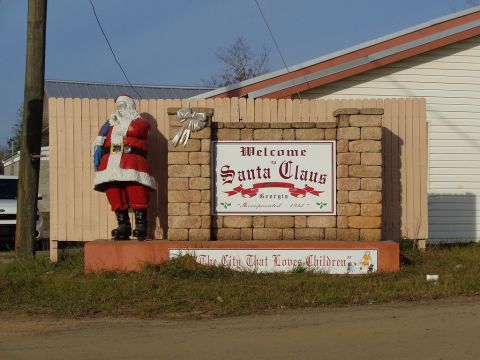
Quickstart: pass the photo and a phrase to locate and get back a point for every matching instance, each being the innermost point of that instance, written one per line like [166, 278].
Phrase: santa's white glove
[99, 141]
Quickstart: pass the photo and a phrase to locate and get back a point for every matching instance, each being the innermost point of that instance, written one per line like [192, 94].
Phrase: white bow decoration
[192, 121]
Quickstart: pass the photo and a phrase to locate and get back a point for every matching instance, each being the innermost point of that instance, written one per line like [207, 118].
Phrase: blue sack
[97, 155]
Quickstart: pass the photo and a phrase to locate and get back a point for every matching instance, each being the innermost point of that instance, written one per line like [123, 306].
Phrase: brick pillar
[359, 174]
[189, 194]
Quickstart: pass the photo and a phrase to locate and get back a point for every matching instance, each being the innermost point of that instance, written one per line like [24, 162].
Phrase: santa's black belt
[125, 149]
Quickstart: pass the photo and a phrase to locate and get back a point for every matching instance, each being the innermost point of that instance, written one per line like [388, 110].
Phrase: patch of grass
[182, 286]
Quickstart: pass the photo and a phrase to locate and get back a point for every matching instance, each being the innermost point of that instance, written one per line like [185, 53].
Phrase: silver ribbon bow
[192, 121]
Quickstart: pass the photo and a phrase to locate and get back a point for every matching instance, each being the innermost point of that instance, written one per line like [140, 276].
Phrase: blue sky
[174, 42]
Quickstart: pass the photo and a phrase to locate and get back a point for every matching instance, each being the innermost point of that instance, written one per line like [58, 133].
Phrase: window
[8, 189]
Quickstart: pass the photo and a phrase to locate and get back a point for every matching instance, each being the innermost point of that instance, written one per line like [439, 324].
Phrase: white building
[439, 61]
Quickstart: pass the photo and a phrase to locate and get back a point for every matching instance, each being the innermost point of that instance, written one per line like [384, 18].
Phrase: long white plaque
[331, 261]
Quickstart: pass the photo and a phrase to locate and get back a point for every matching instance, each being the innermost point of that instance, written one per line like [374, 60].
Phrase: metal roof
[91, 90]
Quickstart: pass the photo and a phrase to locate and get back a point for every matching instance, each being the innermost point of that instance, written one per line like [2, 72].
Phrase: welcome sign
[274, 177]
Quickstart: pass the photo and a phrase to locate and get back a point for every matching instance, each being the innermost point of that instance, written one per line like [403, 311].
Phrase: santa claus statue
[121, 167]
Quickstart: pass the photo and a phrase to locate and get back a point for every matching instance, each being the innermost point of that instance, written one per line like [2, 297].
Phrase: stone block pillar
[189, 194]
[358, 135]
[359, 174]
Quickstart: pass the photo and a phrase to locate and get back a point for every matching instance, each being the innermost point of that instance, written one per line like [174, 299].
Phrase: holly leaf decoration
[225, 204]
[321, 205]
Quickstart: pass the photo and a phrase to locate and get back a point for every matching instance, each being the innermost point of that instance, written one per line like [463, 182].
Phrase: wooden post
[32, 130]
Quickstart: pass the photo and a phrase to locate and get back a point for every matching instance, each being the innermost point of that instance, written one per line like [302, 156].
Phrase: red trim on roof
[374, 65]
[362, 53]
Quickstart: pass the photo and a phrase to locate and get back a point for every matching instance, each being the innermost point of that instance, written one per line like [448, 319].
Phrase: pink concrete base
[106, 255]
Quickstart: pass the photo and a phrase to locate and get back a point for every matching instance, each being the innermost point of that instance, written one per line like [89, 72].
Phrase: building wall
[449, 78]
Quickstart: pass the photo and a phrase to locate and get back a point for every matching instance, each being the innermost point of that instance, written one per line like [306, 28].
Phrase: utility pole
[32, 130]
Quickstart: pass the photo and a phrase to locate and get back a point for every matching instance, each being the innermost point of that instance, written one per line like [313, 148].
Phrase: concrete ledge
[106, 255]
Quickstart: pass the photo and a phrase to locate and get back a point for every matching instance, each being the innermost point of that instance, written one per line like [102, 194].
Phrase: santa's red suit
[123, 172]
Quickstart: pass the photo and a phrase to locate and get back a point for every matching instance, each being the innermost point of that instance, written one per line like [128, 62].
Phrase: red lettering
[227, 174]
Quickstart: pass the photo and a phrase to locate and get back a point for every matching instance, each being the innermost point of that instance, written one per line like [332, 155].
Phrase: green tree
[240, 63]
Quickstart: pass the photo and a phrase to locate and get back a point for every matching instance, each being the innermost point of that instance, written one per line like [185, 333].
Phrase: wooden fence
[77, 213]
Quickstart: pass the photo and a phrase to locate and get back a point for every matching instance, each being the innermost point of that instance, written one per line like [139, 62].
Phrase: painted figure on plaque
[121, 167]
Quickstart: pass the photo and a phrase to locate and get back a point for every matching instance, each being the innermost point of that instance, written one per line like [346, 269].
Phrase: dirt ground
[444, 329]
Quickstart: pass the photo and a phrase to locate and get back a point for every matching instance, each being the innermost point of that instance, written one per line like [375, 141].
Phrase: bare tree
[16, 130]
[4, 153]
[240, 63]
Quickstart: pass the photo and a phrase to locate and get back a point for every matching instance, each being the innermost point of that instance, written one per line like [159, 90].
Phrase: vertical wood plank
[403, 165]
[423, 134]
[258, 110]
[273, 110]
[185, 103]
[211, 104]
[234, 110]
[265, 110]
[322, 111]
[226, 110]
[69, 169]
[337, 104]
[110, 215]
[154, 160]
[218, 113]
[289, 110]
[202, 103]
[387, 170]
[416, 168]
[363, 103]
[77, 170]
[296, 110]
[161, 149]
[396, 212]
[250, 110]
[175, 103]
[313, 110]
[168, 103]
[178, 102]
[330, 109]
[305, 109]
[62, 188]
[350, 103]
[53, 167]
[86, 171]
[192, 103]
[358, 103]
[144, 109]
[281, 110]
[95, 195]
[104, 207]
[410, 167]
[242, 107]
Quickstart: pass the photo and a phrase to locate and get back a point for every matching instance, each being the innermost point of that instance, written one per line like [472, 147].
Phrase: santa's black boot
[140, 231]
[124, 229]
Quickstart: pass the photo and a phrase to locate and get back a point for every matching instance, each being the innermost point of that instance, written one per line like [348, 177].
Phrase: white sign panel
[331, 261]
[274, 177]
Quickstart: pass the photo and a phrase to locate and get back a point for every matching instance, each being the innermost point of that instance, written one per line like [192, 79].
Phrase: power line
[111, 49]
[278, 48]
